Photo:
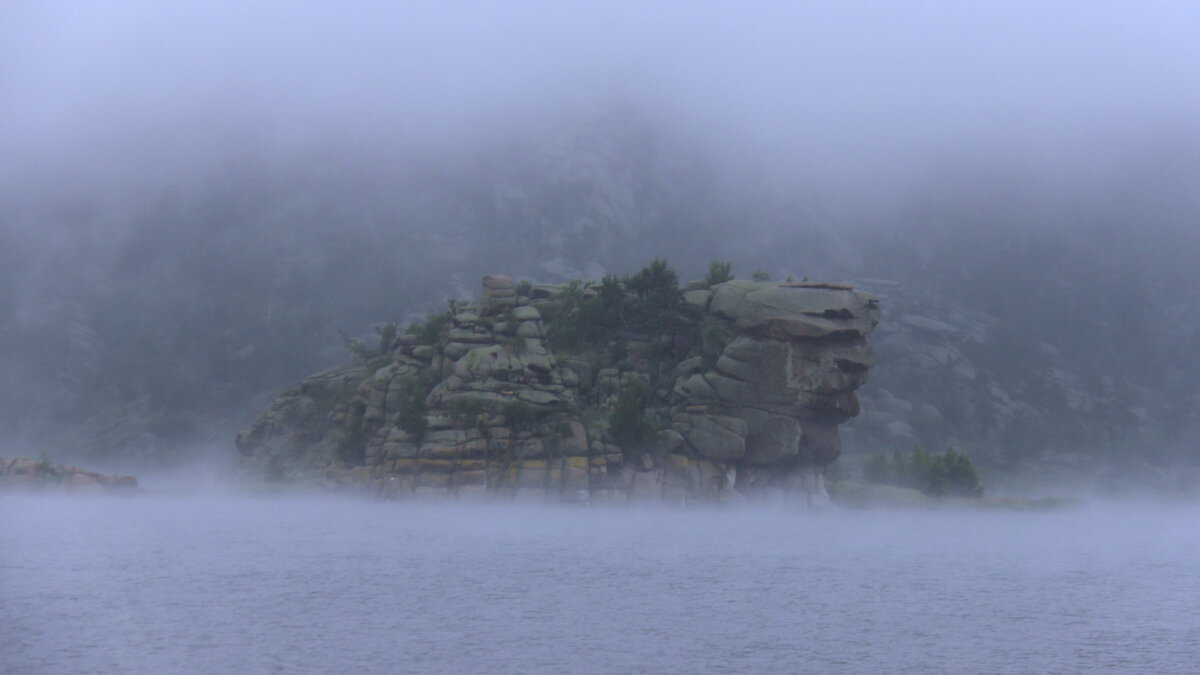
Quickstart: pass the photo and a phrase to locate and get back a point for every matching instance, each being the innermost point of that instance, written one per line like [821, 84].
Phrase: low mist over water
[253, 585]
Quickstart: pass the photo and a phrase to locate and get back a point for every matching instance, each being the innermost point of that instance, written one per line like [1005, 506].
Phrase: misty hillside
[176, 250]
[1020, 323]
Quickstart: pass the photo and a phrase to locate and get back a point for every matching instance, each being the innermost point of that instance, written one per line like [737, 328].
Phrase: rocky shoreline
[22, 474]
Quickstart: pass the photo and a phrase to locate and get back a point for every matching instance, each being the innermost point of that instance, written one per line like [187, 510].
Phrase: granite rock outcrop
[618, 391]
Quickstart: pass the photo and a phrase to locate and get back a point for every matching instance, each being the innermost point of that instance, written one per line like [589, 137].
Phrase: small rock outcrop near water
[622, 390]
[24, 474]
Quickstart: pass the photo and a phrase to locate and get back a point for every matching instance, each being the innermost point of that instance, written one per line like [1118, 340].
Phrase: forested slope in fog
[1027, 317]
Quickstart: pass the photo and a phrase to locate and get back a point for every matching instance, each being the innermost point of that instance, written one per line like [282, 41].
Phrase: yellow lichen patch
[404, 466]
[476, 446]
[439, 451]
[577, 462]
[576, 478]
[678, 462]
[533, 478]
[438, 480]
[436, 465]
[470, 478]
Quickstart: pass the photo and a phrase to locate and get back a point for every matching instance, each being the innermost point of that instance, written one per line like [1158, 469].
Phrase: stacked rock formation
[741, 396]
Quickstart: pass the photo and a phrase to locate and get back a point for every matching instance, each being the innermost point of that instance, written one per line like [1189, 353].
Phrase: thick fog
[197, 197]
[847, 94]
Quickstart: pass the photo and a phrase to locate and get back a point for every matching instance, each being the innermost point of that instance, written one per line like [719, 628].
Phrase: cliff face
[589, 392]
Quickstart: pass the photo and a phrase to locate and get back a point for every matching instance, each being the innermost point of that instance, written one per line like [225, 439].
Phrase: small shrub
[953, 474]
[429, 332]
[44, 466]
[948, 474]
[356, 347]
[760, 275]
[523, 289]
[718, 273]
[387, 335]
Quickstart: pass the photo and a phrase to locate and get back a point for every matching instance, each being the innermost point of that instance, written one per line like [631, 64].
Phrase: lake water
[234, 585]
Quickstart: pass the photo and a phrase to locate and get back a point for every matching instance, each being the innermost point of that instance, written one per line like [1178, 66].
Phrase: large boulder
[790, 311]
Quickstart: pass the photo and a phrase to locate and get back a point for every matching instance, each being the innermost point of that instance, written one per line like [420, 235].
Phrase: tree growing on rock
[627, 420]
[411, 415]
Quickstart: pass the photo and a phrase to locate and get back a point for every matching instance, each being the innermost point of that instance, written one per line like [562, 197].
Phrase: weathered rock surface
[743, 396]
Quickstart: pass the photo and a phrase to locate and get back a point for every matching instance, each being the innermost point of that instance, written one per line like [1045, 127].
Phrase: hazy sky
[844, 89]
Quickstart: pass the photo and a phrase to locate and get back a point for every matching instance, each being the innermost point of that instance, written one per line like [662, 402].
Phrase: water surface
[207, 584]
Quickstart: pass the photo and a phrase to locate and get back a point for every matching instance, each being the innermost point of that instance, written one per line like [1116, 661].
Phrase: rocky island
[23, 474]
[630, 389]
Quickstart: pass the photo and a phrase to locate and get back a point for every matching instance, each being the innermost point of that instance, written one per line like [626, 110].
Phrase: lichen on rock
[616, 391]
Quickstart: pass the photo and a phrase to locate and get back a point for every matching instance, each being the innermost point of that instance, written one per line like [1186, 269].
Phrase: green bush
[657, 281]
[387, 335]
[656, 308]
[718, 273]
[411, 413]
[429, 331]
[578, 322]
[948, 474]
[953, 474]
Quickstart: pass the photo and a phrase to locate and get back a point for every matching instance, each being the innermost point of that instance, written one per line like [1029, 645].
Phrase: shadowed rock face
[741, 396]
